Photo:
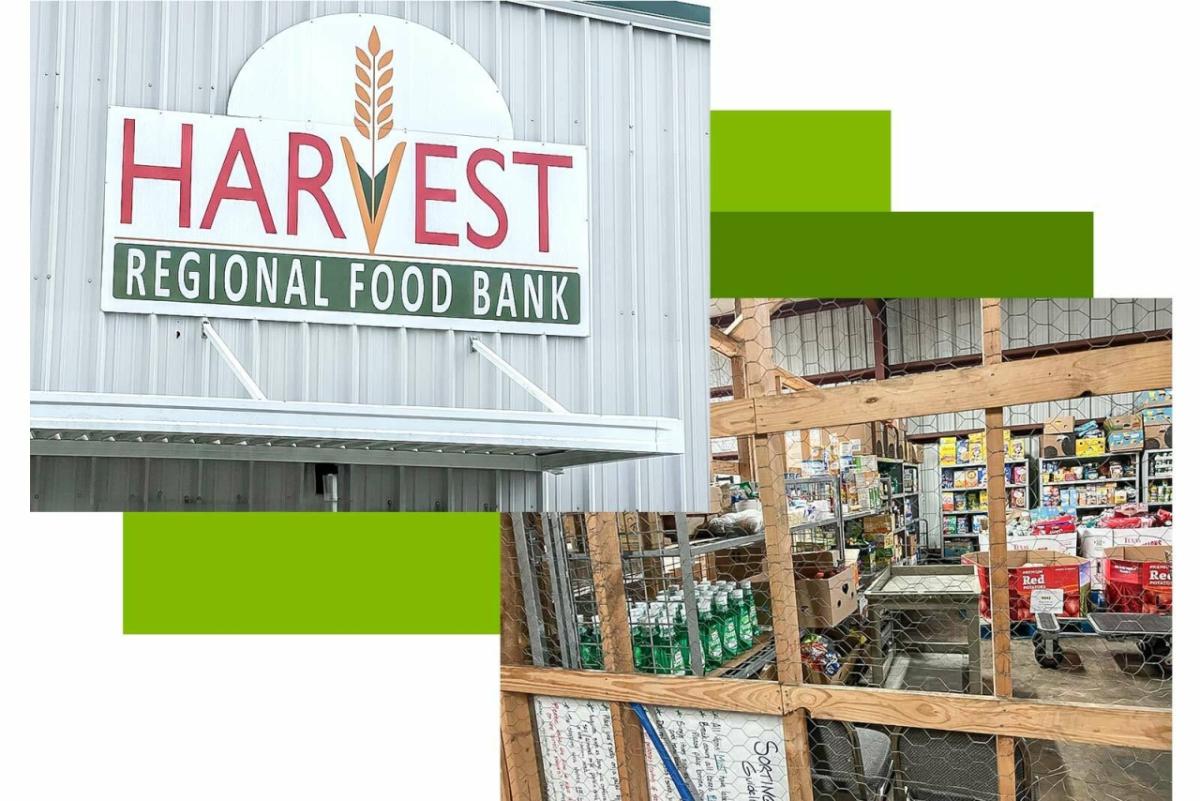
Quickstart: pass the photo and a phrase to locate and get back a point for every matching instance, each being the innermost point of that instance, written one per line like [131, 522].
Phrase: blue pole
[668, 763]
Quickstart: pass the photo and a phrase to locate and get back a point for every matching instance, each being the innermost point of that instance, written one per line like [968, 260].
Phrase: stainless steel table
[952, 590]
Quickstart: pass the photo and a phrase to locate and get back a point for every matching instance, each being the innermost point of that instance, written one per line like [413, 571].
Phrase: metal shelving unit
[909, 481]
[1009, 464]
[837, 521]
[1154, 478]
[1132, 483]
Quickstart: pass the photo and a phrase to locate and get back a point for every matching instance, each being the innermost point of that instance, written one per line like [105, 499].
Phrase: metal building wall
[921, 329]
[637, 97]
[932, 329]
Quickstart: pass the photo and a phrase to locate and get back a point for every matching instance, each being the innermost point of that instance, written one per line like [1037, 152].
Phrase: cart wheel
[1156, 651]
[1046, 653]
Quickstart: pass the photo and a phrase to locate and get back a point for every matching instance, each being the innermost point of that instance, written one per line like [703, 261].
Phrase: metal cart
[951, 589]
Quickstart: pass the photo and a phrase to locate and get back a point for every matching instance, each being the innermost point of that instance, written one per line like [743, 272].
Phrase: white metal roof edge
[397, 433]
[637, 19]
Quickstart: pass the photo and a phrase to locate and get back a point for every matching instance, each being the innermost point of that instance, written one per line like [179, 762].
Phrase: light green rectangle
[311, 573]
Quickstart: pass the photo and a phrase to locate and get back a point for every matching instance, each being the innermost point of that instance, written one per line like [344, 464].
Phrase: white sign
[1046, 601]
[359, 222]
[578, 753]
[726, 756]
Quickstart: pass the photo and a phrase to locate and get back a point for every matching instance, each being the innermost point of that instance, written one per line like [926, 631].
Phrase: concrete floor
[1094, 671]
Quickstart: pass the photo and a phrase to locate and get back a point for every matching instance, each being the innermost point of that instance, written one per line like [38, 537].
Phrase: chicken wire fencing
[890, 526]
[590, 749]
[891, 762]
[713, 619]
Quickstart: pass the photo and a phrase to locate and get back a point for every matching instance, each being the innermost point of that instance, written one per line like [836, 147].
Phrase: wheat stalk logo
[373, 120]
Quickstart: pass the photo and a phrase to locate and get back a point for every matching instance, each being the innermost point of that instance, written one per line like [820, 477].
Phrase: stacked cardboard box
[1138, 579]
[1155, 408]
[826, 594]
[1124, 433]
[1058, 437]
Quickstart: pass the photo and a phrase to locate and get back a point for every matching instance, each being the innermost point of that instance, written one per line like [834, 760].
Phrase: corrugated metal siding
[637, 98]
[928, 329]
[948, 326]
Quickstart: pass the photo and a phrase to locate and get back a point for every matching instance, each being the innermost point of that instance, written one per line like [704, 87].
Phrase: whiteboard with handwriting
[726, 756]
[579, 760]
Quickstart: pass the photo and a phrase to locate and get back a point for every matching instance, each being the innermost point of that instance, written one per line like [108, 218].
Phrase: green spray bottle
[589, 644]
[710, 636]
[741, 611]
[641, 641]
[728, 623]
[680, 641]
[748, 594]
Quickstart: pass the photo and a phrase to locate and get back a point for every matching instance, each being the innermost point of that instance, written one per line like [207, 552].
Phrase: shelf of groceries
[1088, 512]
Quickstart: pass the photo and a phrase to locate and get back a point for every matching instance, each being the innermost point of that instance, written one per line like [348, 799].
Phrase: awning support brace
[208, 332]
[517, 376]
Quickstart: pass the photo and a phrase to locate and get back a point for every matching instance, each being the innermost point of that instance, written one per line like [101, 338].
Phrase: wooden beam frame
[784, 378]
[1128, 368]
[722, 343]
[616, 640]
[761, 415]
[1094, 724]
[770, 453]
[879, 336]
[993, 427]
[518, 746]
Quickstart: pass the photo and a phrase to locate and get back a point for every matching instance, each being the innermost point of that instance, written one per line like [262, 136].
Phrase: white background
[1079, 105]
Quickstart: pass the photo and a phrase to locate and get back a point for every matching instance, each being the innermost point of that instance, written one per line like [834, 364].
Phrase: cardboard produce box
[1090, 446]
[1045, 580]
[1137, 578]
[1153, 397]
[863, 439]
[718, 495]
[1063, 424]
[1060, 543]
[825, 595]
[893, 441]
[808, 445]
[1057, 445]
[1093, 542]
[1157, 415]
[1124, 433]
[1157, 436]
[877, 524]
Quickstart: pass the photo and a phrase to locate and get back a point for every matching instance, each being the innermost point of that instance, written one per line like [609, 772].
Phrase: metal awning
[170, 427]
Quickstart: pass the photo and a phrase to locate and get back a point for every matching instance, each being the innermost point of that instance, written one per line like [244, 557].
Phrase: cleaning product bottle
[598, 641]
[741, 610]
[727, 621]
[710, 636]
[668, 660]
[588, 646]
[680, 641]
[641, 641]
[748, 594]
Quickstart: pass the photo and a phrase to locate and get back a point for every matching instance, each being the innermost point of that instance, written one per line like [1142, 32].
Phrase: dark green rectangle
[309, 573]
[165, 272]
[902, 254]
[801, 160]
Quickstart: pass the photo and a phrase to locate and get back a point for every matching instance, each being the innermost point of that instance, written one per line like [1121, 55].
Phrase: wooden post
[737, 367]
[998, 549]
[516, 717]
[616, 642]
[879, 335]
[771, 463]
